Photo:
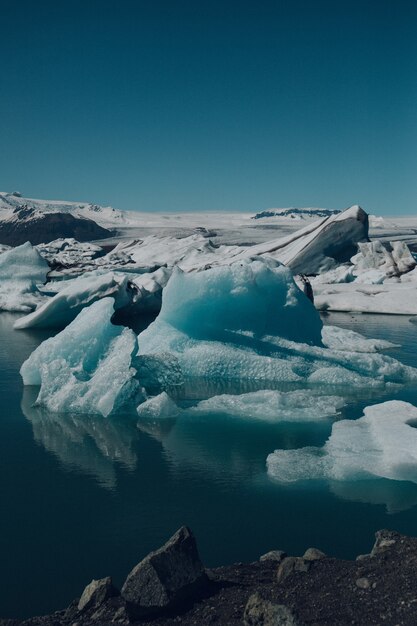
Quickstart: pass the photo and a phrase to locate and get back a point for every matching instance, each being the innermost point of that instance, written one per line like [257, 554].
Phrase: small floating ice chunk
[338, 338]
[382, 443]
[158, 407]
[271, 405]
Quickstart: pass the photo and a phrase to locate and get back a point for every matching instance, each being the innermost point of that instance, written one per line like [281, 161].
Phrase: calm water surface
[85, 497]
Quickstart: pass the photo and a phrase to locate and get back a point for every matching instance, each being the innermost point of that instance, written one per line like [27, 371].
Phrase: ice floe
[382, 443]
[270, 405]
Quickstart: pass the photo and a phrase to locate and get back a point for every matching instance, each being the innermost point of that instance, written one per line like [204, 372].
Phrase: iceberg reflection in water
[87, 443]
[210, 440]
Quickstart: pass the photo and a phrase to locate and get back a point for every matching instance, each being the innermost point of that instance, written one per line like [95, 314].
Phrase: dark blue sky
[175, 105]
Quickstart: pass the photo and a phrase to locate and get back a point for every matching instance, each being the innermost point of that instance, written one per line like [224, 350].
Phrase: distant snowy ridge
[104, 216]
[296, 213]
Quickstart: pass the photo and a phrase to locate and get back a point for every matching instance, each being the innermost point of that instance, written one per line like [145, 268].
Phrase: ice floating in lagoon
[247, 321]
[86, 368]
[21, 269]
[382, 443]
[64, 307]
[257, 296]
[273, 406]
[338, 338]
[159, 407]
[250, 321]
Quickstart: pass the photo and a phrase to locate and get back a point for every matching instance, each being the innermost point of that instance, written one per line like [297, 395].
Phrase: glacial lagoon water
[84, 497]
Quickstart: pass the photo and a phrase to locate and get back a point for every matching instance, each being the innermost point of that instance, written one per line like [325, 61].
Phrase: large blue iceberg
[247, 321]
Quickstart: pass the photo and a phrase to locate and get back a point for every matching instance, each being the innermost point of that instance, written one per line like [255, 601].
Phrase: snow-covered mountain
[296, 213]
[23, 224]
[108, 217]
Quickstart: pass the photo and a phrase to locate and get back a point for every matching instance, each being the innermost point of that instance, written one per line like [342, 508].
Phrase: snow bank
[382, 443]
[64, 307]
[87, 366]
[21, 269]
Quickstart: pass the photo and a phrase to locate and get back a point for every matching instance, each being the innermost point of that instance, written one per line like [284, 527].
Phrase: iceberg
[382, 444]
[64, 307]
[86, 368]
[249, 320]
[320, 246]
[392, 259]
[21, 269]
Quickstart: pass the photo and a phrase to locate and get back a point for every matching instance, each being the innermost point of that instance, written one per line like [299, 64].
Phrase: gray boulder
[274, 555]
[290, 565]
[261, 612]
[313, 554]
[97, 592]
[384, 539]
[165, 577]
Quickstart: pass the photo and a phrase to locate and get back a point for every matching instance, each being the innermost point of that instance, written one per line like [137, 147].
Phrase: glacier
[382, 444]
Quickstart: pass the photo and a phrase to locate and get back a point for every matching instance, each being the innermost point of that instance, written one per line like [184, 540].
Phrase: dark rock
[113, 611]
[28, 225]
[274, 555]
[384, 539]
[290, 565]
[261, 612]
[167, 576]
[96, 593]
[362, 583]
[313, 554]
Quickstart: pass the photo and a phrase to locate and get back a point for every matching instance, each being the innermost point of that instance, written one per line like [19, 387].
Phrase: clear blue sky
[176, 105]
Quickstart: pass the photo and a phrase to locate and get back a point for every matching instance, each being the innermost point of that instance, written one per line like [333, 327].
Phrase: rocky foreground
[171, 586]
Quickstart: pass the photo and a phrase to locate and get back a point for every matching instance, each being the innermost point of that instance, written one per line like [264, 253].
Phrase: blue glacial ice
[249, 320]
[382, 444]
[86, 368]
